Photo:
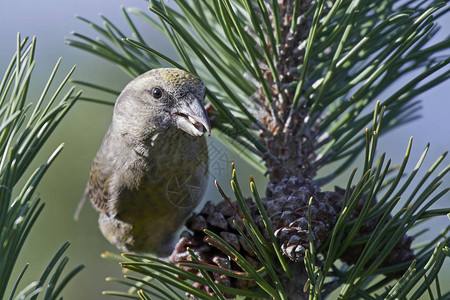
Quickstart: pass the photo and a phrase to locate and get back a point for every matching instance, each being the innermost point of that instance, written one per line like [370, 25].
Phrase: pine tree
[296, 86]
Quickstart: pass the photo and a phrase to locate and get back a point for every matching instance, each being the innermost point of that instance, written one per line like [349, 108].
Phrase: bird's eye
[156, 93]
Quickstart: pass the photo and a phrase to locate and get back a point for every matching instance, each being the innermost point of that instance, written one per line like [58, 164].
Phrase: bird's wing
[98, 189]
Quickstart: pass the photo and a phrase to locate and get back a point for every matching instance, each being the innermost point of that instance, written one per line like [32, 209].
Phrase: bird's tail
[81, 203]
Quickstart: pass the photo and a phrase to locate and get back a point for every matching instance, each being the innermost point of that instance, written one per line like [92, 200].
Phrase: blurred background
[83, 129]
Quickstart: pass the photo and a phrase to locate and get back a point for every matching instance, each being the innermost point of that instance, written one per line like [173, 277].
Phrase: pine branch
[23, 131]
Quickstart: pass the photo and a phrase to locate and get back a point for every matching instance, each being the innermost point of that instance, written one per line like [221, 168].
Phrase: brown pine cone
[287, 208]
[219, 219]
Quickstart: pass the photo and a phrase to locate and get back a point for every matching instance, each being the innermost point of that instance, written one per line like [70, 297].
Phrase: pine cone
[287, 209]
[219, 219]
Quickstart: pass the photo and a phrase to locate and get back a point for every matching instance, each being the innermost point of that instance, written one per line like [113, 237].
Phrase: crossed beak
[191, 116]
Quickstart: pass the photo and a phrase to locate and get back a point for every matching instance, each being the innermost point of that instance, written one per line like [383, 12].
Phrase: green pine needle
[23, 132]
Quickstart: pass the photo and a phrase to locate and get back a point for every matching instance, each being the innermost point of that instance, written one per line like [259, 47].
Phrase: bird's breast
[169, 181]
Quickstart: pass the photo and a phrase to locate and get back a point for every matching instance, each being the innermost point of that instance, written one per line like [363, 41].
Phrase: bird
[151, 169]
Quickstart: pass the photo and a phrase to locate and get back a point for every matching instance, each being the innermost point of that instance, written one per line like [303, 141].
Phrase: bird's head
[160, 99]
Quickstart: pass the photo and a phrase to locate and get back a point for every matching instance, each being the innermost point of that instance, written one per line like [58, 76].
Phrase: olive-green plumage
[151, 169]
